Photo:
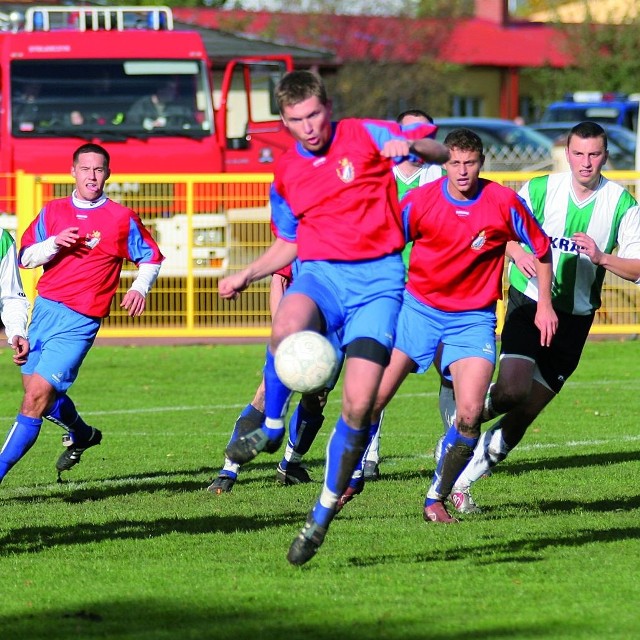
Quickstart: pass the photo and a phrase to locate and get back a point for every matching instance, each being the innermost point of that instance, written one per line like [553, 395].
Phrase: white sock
[490, 450]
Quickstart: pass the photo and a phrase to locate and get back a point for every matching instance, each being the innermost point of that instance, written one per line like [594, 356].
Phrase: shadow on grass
[163, 620]
[34, 539]
[523, 550]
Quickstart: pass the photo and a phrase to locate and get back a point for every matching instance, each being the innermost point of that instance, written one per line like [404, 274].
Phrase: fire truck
[74, 74]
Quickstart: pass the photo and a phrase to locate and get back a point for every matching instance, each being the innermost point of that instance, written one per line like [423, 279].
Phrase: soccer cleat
[371, 470]
[248, 446]
[74, 450]
[462, 500]
[437, 512]
[295, 473]
[349, 494]
[222, 484]
[307, 542]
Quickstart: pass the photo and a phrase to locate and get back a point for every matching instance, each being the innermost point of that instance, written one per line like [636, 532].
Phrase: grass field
[132, 546]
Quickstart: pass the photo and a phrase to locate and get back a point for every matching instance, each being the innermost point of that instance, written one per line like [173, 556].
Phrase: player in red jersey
[81, 241]
[334, 206]
[460, 226]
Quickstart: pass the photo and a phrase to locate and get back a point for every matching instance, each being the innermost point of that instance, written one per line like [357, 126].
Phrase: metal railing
[210, 225]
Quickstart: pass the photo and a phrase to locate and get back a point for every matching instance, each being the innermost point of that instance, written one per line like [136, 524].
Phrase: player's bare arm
[278, 255]
[546, 319]
[627, 268]
[430, 150]
[524, 260]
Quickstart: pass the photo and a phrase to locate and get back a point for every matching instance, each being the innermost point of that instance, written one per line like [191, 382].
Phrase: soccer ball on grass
[305, 361]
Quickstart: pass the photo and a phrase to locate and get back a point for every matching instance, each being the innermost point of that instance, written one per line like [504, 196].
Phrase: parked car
[621, 141]
[507, 145]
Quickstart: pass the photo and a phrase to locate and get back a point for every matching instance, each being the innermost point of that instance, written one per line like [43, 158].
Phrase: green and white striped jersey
[610, 216]
[14, 306]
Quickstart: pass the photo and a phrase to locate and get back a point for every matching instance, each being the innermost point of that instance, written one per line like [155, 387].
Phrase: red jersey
[457, 259]
[85, 277]
[342, 204]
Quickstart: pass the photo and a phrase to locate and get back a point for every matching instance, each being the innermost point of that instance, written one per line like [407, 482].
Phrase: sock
[277, 398]
[358, 473]
[249, 420]
[447, 405]
[490, 450]
[372, 453]
[303, 428]
[344, 450]
[20, 439]
[64, 414]
[489, 413]
[457, 450]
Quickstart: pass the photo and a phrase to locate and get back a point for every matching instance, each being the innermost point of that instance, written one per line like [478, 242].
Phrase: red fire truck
[70, 74]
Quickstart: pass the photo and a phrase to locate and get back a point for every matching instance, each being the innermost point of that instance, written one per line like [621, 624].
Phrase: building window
[466, 106]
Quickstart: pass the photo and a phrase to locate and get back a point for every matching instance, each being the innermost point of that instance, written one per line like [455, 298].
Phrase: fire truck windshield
[110, 98]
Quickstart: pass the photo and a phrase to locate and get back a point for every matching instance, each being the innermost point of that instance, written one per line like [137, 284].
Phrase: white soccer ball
[305, 361]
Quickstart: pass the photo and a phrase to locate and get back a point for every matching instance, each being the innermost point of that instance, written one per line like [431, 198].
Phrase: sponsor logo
[566, 245]
[345, 171]
[462, 213]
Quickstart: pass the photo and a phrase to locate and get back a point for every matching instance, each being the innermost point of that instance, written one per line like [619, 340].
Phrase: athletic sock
[344, 450]
[277, 398]
[303, 428]
[447, 405]
[19, 440]
[457, 450]
[358, 472]
[249, 416]
[372, 452]
[65, 415]
[490, 450]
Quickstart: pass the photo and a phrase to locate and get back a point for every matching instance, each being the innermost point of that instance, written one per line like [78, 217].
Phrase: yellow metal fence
[210, 225]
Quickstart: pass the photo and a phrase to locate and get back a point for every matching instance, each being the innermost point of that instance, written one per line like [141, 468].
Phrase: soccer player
[587, 217]
[461, 223]
[409, 174]
[14, 306]
[334, 206]
[82, 241]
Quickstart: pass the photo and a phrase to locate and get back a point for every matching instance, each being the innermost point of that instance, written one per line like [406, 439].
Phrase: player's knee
[468, 426]
[369, 349]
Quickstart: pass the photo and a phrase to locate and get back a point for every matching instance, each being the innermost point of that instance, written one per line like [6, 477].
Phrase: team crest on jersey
[479, 241]
[345, 170]
[92, 239]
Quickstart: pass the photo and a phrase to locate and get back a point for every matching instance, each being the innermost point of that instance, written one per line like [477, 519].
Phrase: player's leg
[468, 356]
[446, 403]
[296, 312]
[250, 419]
[371, 466]
[304, 424]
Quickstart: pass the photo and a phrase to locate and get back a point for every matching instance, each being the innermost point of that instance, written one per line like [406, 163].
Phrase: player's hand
[587, 246]
[230, 287]
[396, 149]
[68, 237]
[20, 348]
[526, 263]
[547, 323]
[134, 302]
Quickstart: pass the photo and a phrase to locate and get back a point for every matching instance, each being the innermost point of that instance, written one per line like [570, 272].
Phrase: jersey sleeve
[283, 223]
[527, 228]
[141, 246]
[629, 234]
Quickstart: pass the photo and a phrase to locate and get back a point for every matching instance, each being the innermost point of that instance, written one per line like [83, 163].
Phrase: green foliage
[445, 8]
[133, 547]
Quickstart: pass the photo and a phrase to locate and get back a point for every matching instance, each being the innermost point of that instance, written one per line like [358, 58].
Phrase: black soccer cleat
[74, 450]
[295, 473]
[307, 542]
[222, 484]
[247, 447]
[371, 470]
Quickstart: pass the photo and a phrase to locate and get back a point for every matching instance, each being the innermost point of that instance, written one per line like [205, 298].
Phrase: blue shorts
[60, 339]
[360, 299]
[464, 334]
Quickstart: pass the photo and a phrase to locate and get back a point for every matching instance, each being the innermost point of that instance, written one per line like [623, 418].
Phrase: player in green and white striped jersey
[14, 306]
[586, 217]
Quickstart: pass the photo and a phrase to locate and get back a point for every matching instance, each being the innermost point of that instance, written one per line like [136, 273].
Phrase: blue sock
[20, 439]
[64, 414]
[344, 449]
[303, 428]
[248, 415]
[357, 477]
[457, 450]
[276, 403]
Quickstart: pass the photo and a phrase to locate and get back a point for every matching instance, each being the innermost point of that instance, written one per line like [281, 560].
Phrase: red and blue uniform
[85, 278]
